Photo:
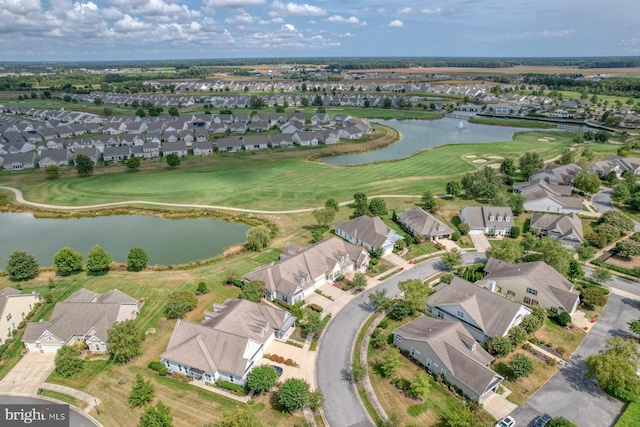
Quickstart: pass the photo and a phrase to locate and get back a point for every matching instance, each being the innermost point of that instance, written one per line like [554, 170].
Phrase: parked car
[541, 420]
[507, 421]
[278, 369]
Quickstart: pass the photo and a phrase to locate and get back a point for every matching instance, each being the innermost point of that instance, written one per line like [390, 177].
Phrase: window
[230, 378]
[532, 291]
[460, 314]
[428, 363]
[443, 371]
[8, 317]
[554, 309]
[534, 302]
[507, 218]
[50, 338]
[527, 300]
[511, 293]
[22, 315]
[499, 218]
[399, 338]
[97, 347]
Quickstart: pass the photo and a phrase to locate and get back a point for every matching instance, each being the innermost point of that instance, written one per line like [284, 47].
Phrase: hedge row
[227, 385]
[158, 367]
[630, 272]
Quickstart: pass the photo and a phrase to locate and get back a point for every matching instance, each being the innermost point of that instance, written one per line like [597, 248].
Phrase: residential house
[202, 148]
[238, 127]
[228, 344]
[277, 119]
[320, 119]
[301, 271]
[218, 128]
[281, 140]
[178, 147]
[259, 126]
[488, 220]
[116, 154]
[328, 136]
[231, 144]
[446, 348]
[565, 228]
[56, 157]
[483, 313]
[14, 307]
[616, 164]
[19, 161]
[291, 127]
[91, 152]
[350, 132]
[305, 138]
[554, 173]
[242, 117]
[370, 232]
[421, 223]
[255, 142]
[533, 283]
[84, 317]
[299, 117]
[544, 197]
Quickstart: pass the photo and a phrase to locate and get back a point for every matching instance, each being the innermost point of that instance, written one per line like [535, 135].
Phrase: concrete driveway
[29, 373]
[480, 241]
[589, 406]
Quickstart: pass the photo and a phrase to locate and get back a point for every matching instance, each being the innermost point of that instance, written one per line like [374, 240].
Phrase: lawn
[64, 398]
[419, 250]
[516, 123]
[271, 180]
[382, 266]
[562, 339]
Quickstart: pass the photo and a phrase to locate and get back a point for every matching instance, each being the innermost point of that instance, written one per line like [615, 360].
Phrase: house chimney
[492, 285]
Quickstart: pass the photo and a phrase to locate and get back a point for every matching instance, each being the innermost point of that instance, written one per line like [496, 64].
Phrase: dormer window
[492, 218]
[342, 259]
[308, 278]
[507, 218]
[301, 282]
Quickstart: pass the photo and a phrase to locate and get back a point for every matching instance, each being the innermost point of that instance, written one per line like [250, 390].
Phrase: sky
[67, 30]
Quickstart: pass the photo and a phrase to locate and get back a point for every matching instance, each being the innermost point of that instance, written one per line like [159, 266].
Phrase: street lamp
[95, 401]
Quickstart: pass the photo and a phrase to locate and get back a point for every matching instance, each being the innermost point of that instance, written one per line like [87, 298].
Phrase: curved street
[342, 407]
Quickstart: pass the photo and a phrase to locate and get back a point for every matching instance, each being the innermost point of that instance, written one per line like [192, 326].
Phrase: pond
[419, 135]
[167, 241]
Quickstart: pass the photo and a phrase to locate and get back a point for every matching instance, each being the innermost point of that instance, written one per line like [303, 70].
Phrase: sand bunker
[494, 166]
[550, 138]
[471, 156]
[543, 139]
[480, 161]
[496, 157]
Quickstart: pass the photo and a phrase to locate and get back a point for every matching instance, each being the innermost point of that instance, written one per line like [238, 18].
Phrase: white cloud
[337, 19]
[263, 22]
[20, 7]
[544, 34]
[162, 9]
[396, 24]
[129, 24]
[382, 10]
[279, 8]
[312, 22]
[241, 18]
[405, 10]
[436, 11]
[232, 4]
[347, 35]
[277, 20]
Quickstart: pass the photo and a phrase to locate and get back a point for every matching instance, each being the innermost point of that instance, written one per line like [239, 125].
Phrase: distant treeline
[618, 86]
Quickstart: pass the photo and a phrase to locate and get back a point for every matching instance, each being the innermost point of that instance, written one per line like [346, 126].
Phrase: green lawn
[516, 123]
[271, 180]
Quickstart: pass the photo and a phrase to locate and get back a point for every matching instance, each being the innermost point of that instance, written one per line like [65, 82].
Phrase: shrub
[517, 336]
[520, 366]
[455, 236]
[563, 318]
[345, 288]
[227, 385]
[155, 365]
[163, 371]
[500, 346]
[179, 304]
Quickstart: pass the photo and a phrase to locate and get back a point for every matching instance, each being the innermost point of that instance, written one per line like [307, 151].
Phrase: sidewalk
[364, 347]
[546, 353]
[243, 399]
[91, 401]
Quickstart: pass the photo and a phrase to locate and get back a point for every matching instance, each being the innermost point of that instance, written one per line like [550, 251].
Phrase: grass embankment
[515, 123]
[271, 180]
[630, 416]
[63, 397]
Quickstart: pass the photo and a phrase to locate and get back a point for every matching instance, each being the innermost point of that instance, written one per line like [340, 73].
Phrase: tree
[325, 216]
[315, 399]
[428, 201]
[141, 393]
[517, 335]
[560, 422]
[156, 416]
[628, 248]
[252, 291]
[332, 204]
[401, 310]
[386, 104]
[554, 254]
[293, 394]
[391, 363]
[172, 159]
[509, 251]
[575, 270]
[52, 171]
[262, 378]
[137, 259]
[516, 203]
[520, 366]
[173, 111]
[179, 304]
[601, 136]
[508, 167]
[133, 163]
[601, 275]
[529, 162]
[379, 300]
[359, 281]
[358, 371]
[531, 323]
[452, 259]
[84, 165]
[415, 293]
[459, 417]
[258, 238]
[421, 386]
[239, 416]
[587, 182]
[312, 323]
[500, 346]
[567, 157]
[592, 297]
[256, 101]
[361, 206]
[464, 228]
[634, 325]
[378, 207]
[22, 266]
[68, 261]
[453, 188]
[615, 368]
[123, 341]
[68, 361]
[98, 260]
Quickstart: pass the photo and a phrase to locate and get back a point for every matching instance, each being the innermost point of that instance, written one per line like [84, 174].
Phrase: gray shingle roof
[423, 223]
[371, 230]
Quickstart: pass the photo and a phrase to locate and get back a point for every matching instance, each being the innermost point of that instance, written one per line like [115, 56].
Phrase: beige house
[14, 307]
[532, 283]
[483, 313]
[447, 348]
[489, 220]
[84, 317]
[565, 228]
[370, 232]
[421, 223]
[228, 344]
[301, 270]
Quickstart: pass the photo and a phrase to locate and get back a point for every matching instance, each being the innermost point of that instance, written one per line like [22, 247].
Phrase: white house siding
[15, 310]
[466, 321]
[548, 205]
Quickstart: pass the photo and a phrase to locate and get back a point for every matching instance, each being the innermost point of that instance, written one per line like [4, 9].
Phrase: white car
[507, 421]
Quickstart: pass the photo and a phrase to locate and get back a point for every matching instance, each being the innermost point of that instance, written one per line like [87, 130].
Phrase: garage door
[51, 348]
[33, 346]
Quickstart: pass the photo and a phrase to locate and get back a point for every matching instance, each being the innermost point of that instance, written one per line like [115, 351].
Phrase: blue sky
[37, 30]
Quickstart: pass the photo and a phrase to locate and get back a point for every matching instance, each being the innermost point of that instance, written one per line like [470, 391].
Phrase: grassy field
[566, 340]
[516, 123]
[271, 180]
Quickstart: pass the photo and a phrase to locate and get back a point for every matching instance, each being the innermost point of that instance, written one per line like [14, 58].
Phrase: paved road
[21, 200]
[603, 201]
[589, 405]
[77, 418]
[342, 406]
